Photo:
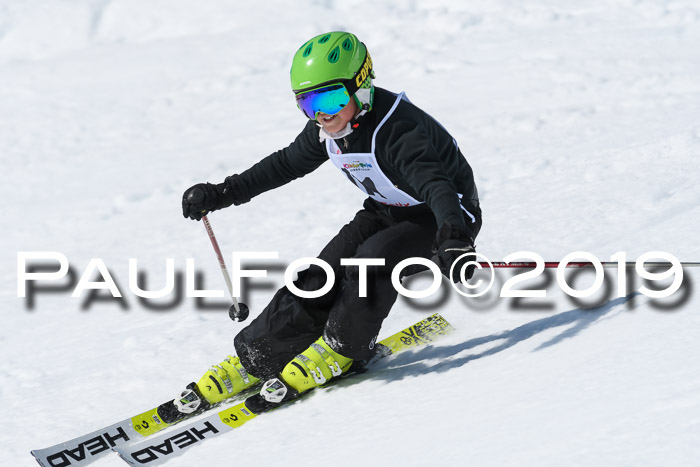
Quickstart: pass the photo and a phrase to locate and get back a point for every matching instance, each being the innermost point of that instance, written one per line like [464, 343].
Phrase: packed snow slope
[581, 121]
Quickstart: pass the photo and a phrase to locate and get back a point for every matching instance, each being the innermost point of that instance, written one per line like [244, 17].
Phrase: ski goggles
[331, 97]
[327, 99]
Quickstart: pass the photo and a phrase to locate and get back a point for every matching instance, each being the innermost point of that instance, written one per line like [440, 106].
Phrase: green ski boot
[225, 380]
[314, 367]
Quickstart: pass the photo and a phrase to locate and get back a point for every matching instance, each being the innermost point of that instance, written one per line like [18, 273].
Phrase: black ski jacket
[412, 149]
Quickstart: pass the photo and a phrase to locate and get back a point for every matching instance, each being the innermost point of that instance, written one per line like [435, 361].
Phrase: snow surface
[580, 119]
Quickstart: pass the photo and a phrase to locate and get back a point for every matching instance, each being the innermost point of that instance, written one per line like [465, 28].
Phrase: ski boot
[313, 367]
[224, 380]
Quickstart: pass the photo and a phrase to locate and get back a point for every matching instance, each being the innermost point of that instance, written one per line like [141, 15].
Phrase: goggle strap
[365, 71]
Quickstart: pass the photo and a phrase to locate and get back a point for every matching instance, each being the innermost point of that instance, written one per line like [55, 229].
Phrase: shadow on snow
[410, 363]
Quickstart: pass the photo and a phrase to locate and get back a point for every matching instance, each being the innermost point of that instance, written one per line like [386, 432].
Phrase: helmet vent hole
[324, 39]
[334, 55]
[347, 45]
[307, 51]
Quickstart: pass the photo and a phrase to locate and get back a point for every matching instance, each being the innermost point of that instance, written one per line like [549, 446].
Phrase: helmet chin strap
[324, 135]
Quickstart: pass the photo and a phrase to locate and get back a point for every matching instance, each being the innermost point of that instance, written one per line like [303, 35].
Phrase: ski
[165, 446]
[87, 448]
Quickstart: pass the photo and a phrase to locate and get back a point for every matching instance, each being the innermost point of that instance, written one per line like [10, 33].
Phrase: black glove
[198, 200]
[451, 242]
[202, 198]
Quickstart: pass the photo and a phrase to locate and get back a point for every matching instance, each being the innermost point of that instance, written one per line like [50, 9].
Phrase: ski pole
[238, 311]
[579, 264]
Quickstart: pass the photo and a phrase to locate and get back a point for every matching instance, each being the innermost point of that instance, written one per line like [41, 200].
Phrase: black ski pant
[349, 323]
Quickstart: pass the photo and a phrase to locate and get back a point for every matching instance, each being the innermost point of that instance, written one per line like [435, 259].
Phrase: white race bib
[363, 170]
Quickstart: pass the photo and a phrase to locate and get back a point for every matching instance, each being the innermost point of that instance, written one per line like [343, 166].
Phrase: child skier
[422, 203]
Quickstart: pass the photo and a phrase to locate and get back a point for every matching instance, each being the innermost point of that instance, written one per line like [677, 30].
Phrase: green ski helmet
[333, 58]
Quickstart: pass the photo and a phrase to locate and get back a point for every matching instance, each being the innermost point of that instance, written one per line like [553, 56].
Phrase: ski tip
[36, 458]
